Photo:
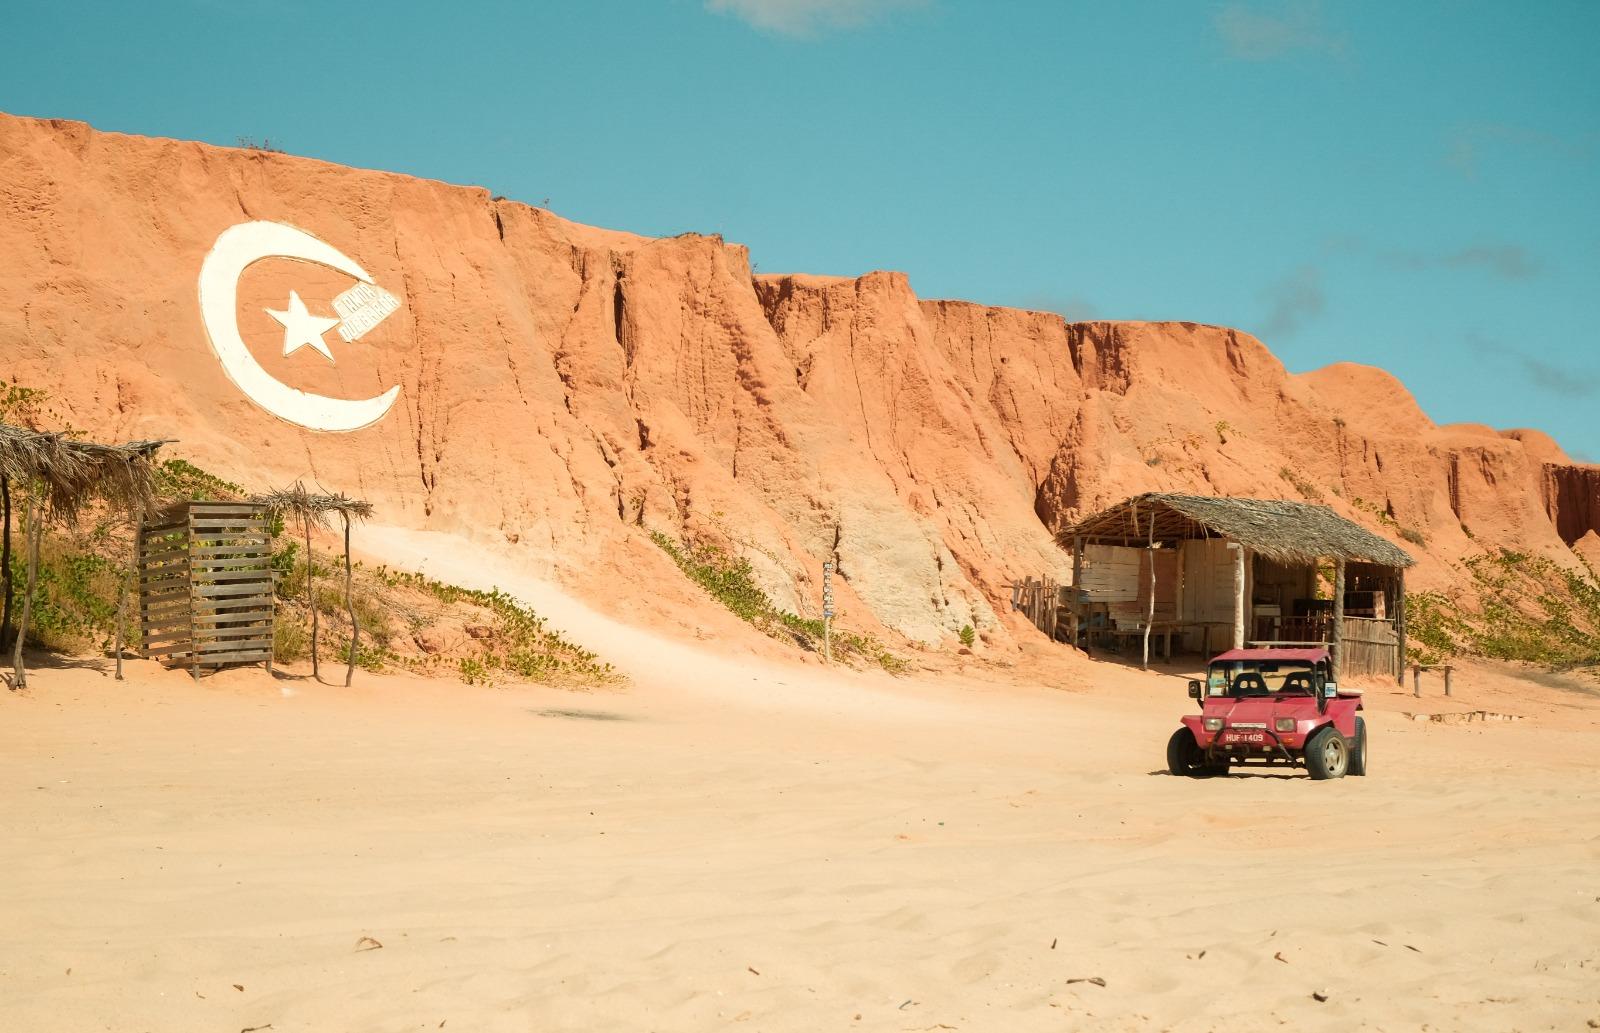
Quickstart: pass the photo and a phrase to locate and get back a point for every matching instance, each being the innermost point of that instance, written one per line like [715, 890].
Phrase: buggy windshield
[1242, 678]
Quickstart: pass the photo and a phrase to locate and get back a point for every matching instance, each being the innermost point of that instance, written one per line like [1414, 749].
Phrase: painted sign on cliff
[359, 309]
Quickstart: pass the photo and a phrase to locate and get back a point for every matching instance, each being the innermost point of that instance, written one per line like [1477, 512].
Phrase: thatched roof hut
[1289, 532]
[72, 473]
[61, 476]
[1250, 565]
[297, 502]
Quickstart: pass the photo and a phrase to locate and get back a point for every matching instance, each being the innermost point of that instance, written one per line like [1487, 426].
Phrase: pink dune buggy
[1271, 706]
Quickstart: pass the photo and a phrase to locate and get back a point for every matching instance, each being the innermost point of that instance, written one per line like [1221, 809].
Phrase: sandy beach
[750, 455]
[777, 847]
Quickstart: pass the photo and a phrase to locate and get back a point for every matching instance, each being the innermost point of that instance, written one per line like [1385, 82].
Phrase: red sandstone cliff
[567, 388]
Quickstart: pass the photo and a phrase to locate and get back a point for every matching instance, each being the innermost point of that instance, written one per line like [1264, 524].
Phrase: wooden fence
[1039, 599]
[1370, 647]
[206, 586]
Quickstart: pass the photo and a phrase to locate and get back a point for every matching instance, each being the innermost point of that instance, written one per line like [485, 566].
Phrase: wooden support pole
[1077, 587]
[35, 531]
[1150, 610]
[1447, 681]
[127, 589]
[1338, 617]
[311, 600]
[5, 560]
[1400, 627]
[350, 605]
[1416, 681]
[1177, 600]
[827, 608]
[1238, 594]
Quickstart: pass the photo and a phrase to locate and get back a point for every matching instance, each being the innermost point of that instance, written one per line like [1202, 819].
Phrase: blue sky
[1412, 185]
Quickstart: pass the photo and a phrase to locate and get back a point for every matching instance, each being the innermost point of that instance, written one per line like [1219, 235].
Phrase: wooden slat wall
[205, 586]
[1371, 647]
[1039, 599]
[1111, 573]
[164, 591]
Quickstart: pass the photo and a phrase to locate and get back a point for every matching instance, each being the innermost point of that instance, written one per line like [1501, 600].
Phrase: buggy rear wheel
[1358, 749]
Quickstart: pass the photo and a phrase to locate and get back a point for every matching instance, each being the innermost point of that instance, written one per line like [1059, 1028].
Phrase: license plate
[1230, 737]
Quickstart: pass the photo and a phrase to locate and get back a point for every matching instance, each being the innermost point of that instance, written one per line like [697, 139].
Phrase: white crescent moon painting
[237, 247]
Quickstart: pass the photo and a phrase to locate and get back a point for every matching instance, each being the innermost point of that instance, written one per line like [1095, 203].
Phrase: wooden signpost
[827, 611]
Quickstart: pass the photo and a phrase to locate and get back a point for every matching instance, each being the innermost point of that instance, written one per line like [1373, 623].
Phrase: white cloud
[805, 18]
[1260, 34]
[1467, 144]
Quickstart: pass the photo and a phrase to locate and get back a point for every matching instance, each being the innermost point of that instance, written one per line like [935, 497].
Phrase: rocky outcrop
[1572, 499]
[568, 389]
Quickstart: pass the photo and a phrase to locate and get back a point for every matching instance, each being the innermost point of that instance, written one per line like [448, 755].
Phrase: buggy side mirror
[1330, 689]
[1196, 690]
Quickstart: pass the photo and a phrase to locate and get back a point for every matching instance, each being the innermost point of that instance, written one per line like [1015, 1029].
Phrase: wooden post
[1077, 587]
[1150, 610]
[1338, 617]
[1400, 627]
[5, 559]
[34, 533]
[1447, 680]
[311, 600]
[827, 611]
[349, 604]
[1238, 594]
[1177, 601]
[1416, 681]
[127, 580]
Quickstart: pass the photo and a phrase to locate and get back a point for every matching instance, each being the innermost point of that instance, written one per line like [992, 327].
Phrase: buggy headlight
[1213, 724]
[1285, 724]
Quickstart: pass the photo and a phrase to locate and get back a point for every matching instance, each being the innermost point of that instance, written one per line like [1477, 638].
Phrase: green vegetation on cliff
[731, 581]
[1519, 607]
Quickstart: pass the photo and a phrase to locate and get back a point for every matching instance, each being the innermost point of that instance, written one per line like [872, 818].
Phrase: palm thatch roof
[1288, 532]
[301, 503]
[72, 473]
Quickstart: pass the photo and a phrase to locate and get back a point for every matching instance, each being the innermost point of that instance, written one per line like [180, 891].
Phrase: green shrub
[1300, 484]
[968, 635]
[731, 581]
[1526, 609]
[289, 640]
[180, 479]
[519, 644]
[74, 605]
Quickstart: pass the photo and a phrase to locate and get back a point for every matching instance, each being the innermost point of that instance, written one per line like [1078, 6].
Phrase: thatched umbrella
[314, 509]
[62, 477]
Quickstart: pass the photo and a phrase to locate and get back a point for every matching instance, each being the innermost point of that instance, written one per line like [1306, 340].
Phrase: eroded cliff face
[567, 389]
[1572, 499]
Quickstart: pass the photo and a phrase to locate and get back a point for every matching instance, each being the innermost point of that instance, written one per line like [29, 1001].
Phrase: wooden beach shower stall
[206, 585]
[1216, 573]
